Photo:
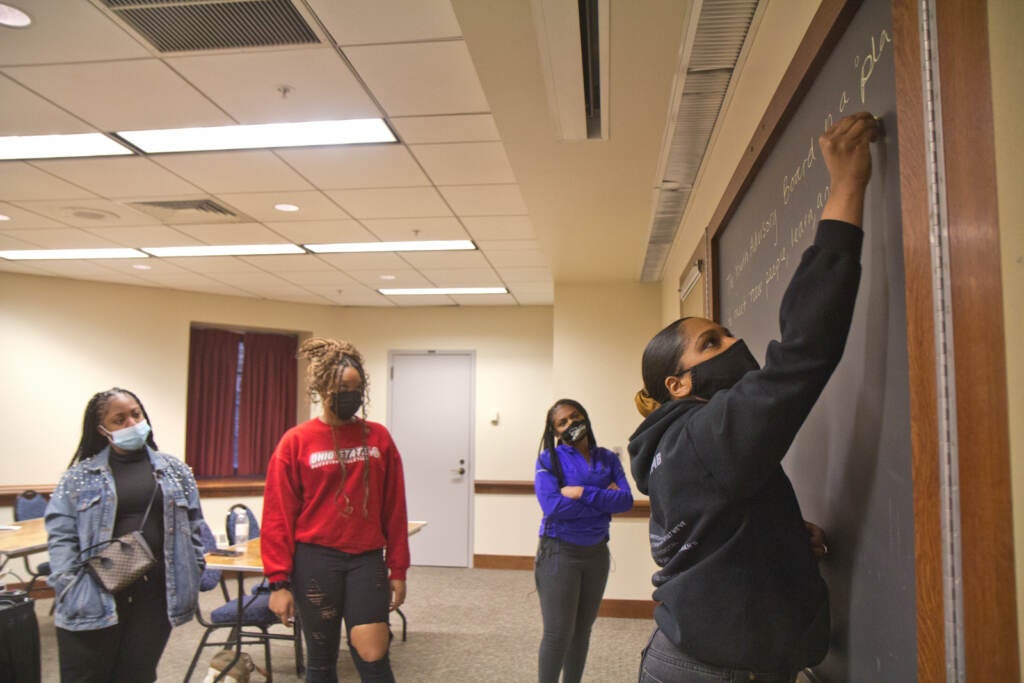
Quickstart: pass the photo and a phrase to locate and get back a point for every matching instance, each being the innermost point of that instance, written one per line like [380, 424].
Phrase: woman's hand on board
[846, 147]
[816, 537]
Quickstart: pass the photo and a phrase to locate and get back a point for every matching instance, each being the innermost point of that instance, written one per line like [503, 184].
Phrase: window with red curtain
[241, 399]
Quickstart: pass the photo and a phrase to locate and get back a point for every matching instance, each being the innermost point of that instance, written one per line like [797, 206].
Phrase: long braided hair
[327, 360]
[92, 442]
[549, 439]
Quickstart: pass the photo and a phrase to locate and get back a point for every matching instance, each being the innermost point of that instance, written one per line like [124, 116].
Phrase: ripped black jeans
[329, 586]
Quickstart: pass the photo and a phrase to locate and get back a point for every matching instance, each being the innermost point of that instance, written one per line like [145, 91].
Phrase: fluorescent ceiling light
[55, 254]
[4, 218]
[287, 208]
[59, 146]
[260, 136]
[13, 17]
[225, 250]
[442, 290]
[416, 245]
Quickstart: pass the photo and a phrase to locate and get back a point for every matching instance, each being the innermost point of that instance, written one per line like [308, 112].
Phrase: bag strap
[145, 517]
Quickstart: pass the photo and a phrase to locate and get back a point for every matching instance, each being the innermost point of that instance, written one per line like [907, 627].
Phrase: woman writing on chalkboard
[740, 594]
[579, 485]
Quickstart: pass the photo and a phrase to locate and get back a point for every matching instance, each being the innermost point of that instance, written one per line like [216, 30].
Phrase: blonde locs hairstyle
[327, 359]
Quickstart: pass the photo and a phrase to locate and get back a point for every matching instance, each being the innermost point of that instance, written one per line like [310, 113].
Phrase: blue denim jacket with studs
[81, 513]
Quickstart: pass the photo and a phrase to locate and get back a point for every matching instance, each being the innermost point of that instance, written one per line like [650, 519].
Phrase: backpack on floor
[239, 673]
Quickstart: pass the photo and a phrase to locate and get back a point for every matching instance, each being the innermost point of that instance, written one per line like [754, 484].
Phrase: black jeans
[570, 582]
[662, 662]
[330, 585]
[128, 652]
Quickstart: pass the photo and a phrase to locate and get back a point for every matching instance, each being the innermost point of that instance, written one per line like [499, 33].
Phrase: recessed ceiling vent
[190, 211]
[193, 25]
[712, 51]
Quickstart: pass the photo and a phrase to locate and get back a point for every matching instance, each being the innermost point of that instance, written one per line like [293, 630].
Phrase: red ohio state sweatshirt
[305, 498]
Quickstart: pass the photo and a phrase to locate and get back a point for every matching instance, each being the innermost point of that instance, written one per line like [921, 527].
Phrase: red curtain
[268, 401]
[212, 369]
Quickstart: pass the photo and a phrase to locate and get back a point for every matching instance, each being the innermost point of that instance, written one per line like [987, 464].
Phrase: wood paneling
[641, 508]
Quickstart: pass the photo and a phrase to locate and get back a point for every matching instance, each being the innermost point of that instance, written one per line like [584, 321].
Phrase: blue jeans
[570, 582]
[662, 662]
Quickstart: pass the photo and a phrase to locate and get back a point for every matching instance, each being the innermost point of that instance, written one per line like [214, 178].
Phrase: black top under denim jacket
[739, 586]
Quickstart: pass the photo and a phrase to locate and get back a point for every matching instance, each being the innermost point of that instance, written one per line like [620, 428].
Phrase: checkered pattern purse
[124, 559]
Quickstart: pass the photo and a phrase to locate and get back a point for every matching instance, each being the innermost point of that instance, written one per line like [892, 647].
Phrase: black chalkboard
[851, 463]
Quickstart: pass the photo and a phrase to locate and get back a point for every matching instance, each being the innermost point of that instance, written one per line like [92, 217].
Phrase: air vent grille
[718, 43]
[195, 25]
[190, 211]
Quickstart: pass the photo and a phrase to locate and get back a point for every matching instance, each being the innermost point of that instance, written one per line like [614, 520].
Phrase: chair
[255, 614]
[31, 504]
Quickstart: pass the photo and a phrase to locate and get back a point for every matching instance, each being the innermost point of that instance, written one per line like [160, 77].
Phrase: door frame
[471, 457]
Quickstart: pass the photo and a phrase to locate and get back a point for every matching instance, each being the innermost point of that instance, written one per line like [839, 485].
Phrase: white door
[430, 415]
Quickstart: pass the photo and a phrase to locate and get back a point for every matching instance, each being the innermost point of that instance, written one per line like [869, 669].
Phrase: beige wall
[64, 340]
[1006, 20]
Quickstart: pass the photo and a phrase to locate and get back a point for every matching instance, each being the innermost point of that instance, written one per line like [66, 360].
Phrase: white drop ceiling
[458, 81]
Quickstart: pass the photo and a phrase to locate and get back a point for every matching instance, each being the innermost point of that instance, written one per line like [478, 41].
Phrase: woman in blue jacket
[117, 483]
[579, 485]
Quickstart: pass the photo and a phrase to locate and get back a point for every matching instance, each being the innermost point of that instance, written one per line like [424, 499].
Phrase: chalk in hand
[880, 135]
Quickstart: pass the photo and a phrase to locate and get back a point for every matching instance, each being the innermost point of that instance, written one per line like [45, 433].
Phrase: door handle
[460, 470]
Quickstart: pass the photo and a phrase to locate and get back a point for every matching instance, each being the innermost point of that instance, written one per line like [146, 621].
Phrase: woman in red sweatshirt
[334, 521]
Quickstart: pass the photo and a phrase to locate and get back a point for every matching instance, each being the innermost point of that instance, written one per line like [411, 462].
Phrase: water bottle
[241, 527]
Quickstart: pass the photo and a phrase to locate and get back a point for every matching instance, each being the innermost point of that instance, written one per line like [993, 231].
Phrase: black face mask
[722, 371]
[344, 404]
[574, 433]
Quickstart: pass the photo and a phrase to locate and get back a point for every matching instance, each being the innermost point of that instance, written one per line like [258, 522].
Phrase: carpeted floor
[464, 625]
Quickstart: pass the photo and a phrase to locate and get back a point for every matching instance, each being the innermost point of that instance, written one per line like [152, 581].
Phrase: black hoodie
[739, 586]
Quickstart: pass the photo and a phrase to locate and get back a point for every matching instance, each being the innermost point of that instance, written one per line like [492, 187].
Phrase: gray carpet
[464, 625]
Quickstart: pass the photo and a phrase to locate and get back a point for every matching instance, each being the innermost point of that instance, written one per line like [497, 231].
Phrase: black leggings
[330, 585]
[127, 652]
[570, 582]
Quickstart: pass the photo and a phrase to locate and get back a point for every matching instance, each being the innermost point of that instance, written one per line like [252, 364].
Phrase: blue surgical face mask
[130, 438]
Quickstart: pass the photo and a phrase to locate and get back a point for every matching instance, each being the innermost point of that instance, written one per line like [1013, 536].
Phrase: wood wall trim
[502, 561]
[9, 493]
[641, 508]
[230, 487]
[627, 609]
[924, 427]
[990, 618]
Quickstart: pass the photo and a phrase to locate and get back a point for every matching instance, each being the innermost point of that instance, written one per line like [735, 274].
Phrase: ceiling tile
[400, 277]
[535, 300]
[20, 267]
[356, 166]
[25, 113]
[518, 259]
[251, 281]
[154, 267]
[213, 264]
[286, 263]
[445, 259]
[525, 275]
[89, 213]
[387, 21]
[67, 32]
[485, 200]
[128, 95]
[311, 279]
[237, 233]
[384, 261]
[67, 238]
[145, 236]
[484, 299]
[313, 205]
[532, 288]
[402, 229]
[352, 294]
[17, 239]
[247, 85]
[499, 227]
[118, 176]
[422, 300]
[194, 282]
[20, 219]
[19, 181]
[462, 277]
[241, 171]
[321, 232]
[406, 202]
[421, 78]
[465, 163]
[458, 128]
[488, 246]
[88, 270]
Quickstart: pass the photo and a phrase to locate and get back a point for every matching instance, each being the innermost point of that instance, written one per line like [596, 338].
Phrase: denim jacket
[81, 513]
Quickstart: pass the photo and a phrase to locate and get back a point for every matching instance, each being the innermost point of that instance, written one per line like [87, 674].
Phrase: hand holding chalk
[847, 152]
